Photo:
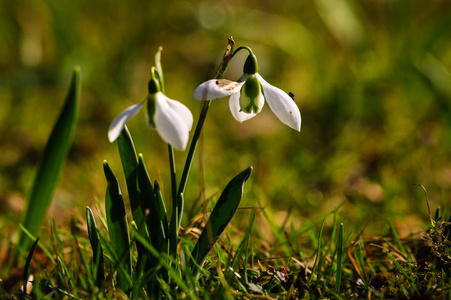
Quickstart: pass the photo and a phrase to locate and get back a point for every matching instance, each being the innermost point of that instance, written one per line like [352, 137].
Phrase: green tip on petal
[252, 87]
[250, 97]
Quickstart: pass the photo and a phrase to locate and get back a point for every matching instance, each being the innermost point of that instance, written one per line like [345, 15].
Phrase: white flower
[171, 119]
[248, 95]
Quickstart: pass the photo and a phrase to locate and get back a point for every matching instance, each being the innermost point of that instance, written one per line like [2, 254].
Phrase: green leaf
[98, 269]
[153, 205]
[221, 215]
[118, 228]
[161, 208]
[129, 161]
[51, 162]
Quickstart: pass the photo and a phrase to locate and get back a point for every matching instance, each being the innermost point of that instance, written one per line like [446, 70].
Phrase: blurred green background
[371, 78]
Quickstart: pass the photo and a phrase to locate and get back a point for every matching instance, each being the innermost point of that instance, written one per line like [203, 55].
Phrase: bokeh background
[371, 78]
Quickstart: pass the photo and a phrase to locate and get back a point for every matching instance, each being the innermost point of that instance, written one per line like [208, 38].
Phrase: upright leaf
[221, 215]
[156, 219]
[129, 161]
[118, 228]
[98, 270]
[51, 162]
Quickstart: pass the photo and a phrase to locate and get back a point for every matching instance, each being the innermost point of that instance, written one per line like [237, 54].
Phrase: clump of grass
[337, 264]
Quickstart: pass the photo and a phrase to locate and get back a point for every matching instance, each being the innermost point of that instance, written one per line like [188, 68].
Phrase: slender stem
[193, 146]
[173, 179]
[176, 204]
[178, 200]
[242, 48]
[203, 114]
[177, 209]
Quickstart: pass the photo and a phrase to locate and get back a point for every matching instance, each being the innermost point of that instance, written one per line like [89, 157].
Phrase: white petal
[182, 111]
[234, 105]
[119, 122]
[217, 88]
[282, 105]
[169, 124]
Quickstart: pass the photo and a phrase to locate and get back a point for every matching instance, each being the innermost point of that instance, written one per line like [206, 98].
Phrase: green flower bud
[251, 65]
[153, 87]
[151, 107]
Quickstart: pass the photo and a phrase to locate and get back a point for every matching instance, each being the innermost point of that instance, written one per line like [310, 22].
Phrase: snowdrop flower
[171, 119]
[248, 95]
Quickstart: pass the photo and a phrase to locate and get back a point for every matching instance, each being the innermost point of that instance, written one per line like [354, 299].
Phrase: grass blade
[241, 256]
[317, 262]
[411, 279]
[43, 247]
[340, 250]
[220, 216]
[168, 263]
[98, 268]
[118, 227]
[27, 265]
[51, 162]
[161, 209]
[396, 238]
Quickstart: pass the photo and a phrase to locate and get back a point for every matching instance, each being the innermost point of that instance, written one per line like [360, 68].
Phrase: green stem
[193, 146]
[242, 48]
[203, 114]
[175, 202]
[173, 173]
[177, 209]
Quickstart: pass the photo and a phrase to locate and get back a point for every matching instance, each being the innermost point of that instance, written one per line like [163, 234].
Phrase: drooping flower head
[171, 119]
[248, 95]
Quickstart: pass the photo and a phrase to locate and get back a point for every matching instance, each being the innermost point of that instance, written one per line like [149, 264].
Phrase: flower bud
[251, 65]
[153, 87]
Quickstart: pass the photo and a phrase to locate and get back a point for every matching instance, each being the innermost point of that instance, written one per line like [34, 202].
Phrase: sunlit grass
[339, 264]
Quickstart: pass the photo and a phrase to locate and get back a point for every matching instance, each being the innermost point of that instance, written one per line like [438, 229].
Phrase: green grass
[345, 265]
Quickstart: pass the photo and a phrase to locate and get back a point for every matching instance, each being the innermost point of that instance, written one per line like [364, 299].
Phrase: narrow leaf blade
[155, 212]
[129, 160]
[52, 160]
[221, 215]
[99, 271]
[27, 265]
[118, 227]
[340, 250]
